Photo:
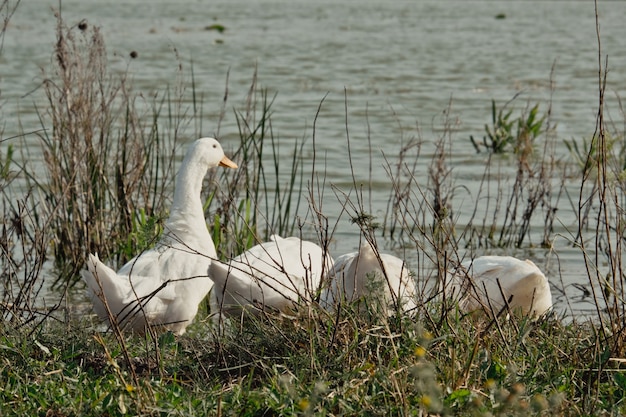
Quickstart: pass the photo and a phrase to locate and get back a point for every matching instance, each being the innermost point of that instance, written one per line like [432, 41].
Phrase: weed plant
[110, 159]
[107, 169]
[309, 363]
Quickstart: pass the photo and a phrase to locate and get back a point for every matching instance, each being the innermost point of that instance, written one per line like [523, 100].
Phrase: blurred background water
[399, 67]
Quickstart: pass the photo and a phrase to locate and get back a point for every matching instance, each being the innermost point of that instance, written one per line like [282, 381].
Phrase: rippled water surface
[398, 66]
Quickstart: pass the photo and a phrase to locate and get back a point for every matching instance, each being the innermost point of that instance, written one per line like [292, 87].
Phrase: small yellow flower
[490, 384]
[420, 352]
[129, 388]
[426, 401]
[539, 402]
[304, 404]
[369, 368]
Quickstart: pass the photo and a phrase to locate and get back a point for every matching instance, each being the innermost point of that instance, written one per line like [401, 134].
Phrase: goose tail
[102, 285]
[225, 279]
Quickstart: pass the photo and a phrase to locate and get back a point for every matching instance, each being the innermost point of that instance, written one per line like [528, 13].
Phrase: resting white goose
[274, 275]
[487, 281]
[164, 286]
[376, 277]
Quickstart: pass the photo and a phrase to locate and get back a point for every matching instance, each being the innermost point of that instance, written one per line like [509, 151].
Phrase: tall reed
[109, 154]
[262, 196]
[601, 229]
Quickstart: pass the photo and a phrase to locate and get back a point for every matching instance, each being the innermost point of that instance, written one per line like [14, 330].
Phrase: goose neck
[187, 202]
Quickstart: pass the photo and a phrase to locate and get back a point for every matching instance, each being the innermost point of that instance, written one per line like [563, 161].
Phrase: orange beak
[227, 163]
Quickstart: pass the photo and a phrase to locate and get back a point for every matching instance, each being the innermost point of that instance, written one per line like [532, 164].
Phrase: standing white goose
[164, 286]
[273, 275]
[487, 281]
[377, 277]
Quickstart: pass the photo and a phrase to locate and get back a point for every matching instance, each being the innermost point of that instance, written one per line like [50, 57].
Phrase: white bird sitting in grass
[379, 279]
[274, 275]
[164, 285]
[490, 283]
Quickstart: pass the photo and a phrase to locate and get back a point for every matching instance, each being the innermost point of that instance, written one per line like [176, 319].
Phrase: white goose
[164, 285]
[487, 281]
[273, 275]
[377, 277]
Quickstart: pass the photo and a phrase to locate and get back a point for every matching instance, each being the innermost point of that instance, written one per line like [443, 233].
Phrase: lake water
[399, 65]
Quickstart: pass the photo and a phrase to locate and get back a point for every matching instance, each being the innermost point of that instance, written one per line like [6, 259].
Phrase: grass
[110, 159]
[311, 364]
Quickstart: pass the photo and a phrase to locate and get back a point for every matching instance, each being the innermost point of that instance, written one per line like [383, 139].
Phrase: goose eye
[214, 146]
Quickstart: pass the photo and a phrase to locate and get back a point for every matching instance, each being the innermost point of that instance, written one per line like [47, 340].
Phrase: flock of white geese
[164, 286]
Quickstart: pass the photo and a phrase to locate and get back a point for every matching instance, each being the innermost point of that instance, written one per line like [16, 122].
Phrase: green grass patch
[312, 364]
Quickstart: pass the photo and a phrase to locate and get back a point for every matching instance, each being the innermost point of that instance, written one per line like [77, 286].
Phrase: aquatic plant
[500, 135]
[102, 161]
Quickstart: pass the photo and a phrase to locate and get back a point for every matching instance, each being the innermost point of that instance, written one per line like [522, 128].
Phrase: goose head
[202, 155]
[209, 152]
